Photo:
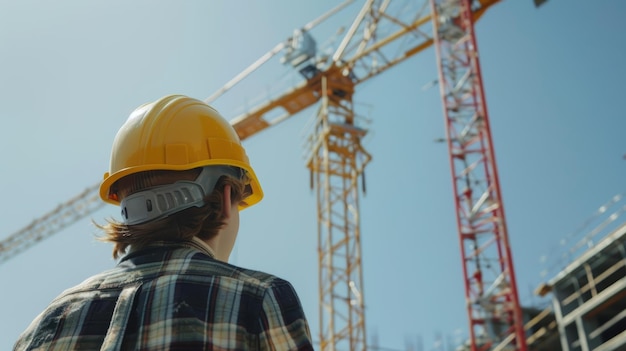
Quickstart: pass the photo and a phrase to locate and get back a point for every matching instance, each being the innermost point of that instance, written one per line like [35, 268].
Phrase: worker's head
[173, 163]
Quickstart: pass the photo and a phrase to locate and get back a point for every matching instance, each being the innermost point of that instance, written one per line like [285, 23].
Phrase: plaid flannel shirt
[172, 297]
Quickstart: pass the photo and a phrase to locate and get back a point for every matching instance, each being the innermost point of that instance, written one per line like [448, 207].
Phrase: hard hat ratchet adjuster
[161, 201]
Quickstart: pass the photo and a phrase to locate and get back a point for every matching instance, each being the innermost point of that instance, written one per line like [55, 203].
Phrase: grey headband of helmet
[161, 201]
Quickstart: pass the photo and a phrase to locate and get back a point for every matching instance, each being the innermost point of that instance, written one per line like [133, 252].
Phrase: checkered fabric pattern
[172, 296]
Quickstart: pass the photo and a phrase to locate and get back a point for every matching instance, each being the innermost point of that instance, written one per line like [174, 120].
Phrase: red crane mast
[493, 307]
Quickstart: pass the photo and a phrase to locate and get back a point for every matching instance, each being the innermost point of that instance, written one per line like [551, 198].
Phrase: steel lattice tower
[337, 162]
[490, 289]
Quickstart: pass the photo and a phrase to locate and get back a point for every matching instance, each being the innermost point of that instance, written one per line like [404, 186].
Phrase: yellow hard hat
[175, 133]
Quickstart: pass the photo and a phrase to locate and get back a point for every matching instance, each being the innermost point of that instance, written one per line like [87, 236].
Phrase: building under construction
[585, 308]
[588, 305]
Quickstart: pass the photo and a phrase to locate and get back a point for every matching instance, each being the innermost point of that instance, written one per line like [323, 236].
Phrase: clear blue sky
[72, 71]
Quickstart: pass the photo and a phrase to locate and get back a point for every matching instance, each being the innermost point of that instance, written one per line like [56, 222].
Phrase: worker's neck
[218, 247]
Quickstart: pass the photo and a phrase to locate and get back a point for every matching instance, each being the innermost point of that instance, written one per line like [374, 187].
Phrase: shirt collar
[203, 246]
[196, 243]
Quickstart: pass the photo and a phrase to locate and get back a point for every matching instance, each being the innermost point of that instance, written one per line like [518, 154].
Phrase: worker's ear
[227, 205]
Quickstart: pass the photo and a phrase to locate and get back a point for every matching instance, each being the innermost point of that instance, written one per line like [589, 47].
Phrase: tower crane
[382, 35]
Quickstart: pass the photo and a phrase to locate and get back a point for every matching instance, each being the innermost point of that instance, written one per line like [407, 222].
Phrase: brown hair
[203, 222]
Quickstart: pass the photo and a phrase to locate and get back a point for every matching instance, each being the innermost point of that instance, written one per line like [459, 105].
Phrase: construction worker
[180, 176]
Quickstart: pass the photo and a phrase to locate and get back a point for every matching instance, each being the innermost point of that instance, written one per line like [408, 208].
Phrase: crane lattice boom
[52, 222]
